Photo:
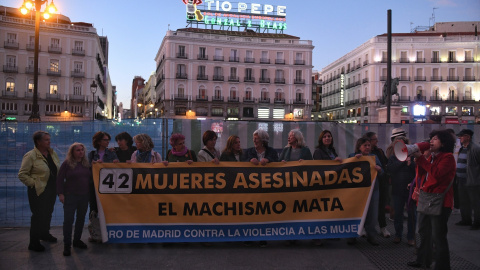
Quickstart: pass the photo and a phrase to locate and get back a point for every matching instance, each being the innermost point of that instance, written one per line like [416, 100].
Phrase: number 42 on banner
[115, 181]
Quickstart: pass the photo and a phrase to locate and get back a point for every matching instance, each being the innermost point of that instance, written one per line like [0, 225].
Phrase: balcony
[232, 99]
[299, 62]
[435, 98]
[365, 80]
[452, 98]
[280, 61]
[403, 98]
[436, 78]
[233, 79]
[468, 99]
[264, 80]
[248, 100]
[404, 60]
[420, 60]
[78, 52]
[280, 80]
[6, 93]
[217, 98]
[264, 61]
[420, 78]
[202, 57]
[77, 74]
[10, 69]
[31, 47]
[52, 96]
[468, 78]
[365, 62]
[202, 77]
[453, 78]
[299, 101]
[11, 44]
[181, 75]
[383, 78]
[279, 100]
[249, 79]
[264, 100]
[56, 73]
[299, 81]
[469, 60]
[452, 60]
[234, 59]
[76, 97]
[29, 70]
[201, 98]
[180, 97]
[182, 55]
[420, 98]
[436, 60]
[54, 49]
[249, 60]
[218, 58]
[383, 60]
[404, 78]
[52, 114]
[218, 78]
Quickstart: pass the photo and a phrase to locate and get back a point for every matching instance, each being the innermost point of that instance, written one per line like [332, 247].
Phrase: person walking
[39, 173]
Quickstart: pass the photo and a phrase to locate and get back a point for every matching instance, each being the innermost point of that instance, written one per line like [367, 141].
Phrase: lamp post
[138, 112]
[93, 88]
[36, 5]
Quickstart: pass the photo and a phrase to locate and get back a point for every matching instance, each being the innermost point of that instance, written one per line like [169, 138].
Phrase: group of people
[431, 171]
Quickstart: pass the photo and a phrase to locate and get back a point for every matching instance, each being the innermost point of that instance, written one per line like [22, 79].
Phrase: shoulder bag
[431, 203]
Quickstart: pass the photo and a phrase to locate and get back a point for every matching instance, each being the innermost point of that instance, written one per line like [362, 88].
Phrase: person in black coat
[261, 153]
[233, 150]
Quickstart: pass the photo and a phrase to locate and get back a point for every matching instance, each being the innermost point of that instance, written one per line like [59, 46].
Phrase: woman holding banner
[325, 149]
[438, 171]
[125, 147]
[208, 152]
[296, 148]
[145, 152]
[73, 191]
[179, 152]
[363, 148]
[233, 150]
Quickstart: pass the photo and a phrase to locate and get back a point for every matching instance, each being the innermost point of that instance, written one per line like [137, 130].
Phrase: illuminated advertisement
[236, 14]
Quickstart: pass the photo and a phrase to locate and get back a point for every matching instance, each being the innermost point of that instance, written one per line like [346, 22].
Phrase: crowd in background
[448, 161]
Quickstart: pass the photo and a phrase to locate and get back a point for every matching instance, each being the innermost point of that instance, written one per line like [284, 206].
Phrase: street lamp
[36, 5]
[138, 112]
[93, 88]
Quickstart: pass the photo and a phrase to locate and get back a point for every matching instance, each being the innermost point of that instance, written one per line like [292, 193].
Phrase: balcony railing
[264, 80]
[218, 78]
[264, 100]
[202, 57]
[420, 60]
[56, 73]
[469, 60]
[420, 98]
[420, 78]
[264, 61]
[383, 78]
[202, 98]
[31, 47]
[9, 93]
[299, 81]
[299, 101]
[468, 78]
[436, 60]
[233, 79]
[453, 98]
[249, 79]
[54, 49]
[280, 61]
[232, 99]
[77, 74]
[365, 80]
[249, 60]
[182, 55]
[452, 60]
[9, 44]
[29, 70]
[279, 100]
[404, 60]
[181, 75]
[202, 77]
[299, 62]
[436, 78]
[78, 52]
[234, 59]
[52, 96]
[435, 98]
[180, 97]
[217, 98]
[365, 62]
[218, 58]
[76, 97]
[453, 78]
[10, 69]
[404, 98]
[468, 99]
[280, 80]
[248, 99]
[404, 78]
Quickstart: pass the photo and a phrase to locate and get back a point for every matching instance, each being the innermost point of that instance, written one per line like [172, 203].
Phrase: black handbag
[431, 203]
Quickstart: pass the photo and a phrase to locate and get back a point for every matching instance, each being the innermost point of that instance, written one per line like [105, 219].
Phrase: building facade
[71, 57]
[233, 75]
[438, 78]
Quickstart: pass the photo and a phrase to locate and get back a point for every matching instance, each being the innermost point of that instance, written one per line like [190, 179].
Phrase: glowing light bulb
[46, 16]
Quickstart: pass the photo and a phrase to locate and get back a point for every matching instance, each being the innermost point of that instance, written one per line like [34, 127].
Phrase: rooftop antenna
[412, 29]
[432, 19]
[168, 27]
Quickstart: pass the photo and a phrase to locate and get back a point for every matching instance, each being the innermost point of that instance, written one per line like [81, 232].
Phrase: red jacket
[440, 173]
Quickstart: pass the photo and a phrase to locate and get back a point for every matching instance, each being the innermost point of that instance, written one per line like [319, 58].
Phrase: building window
[278, 113]
[218, 92]
[9, 106]
[11, 37]
[52, 108]
[181, 51]
[78, 45]
[55, 43]
[77, 89]
[202, 53]
[53, 88]
[11, 61]
[248, 94]
[181, 91]
[54, 65]
[28, 107]
[30, 86]
[233, 93]
[248, 74]
[78, 67]
[10, 85]
[202, 92]
[217, 112]
[435, 56]
[263, 113]
[248, 112]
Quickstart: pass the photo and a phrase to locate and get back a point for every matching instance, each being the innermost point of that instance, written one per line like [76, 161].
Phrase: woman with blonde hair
[145, 152]
[296, 148]
[73, 191]
[233, 150]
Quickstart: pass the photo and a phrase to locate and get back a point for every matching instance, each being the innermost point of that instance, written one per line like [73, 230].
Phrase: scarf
[179, 154]
[143, 157]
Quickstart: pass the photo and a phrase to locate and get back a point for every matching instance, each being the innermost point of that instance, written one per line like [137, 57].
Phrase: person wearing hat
[397, 132]
[468, 176]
